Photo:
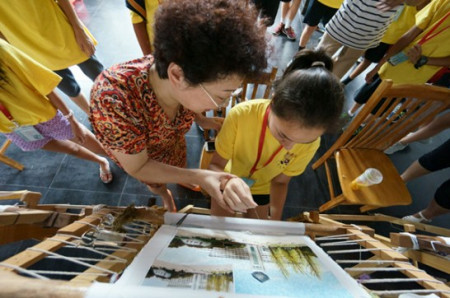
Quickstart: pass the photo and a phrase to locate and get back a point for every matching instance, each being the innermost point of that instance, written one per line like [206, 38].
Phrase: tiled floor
[65, 179]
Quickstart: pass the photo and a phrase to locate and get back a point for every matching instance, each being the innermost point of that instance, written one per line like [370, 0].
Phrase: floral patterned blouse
[127, 117]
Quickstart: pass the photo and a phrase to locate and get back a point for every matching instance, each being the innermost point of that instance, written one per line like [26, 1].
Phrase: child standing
[33, 117]
[307, 101]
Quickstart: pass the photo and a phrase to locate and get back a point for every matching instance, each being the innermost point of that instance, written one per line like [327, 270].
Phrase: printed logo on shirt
[284, 162]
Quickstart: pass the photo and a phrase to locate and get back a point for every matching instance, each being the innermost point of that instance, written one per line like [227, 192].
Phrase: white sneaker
[394, 148]
[420, 219]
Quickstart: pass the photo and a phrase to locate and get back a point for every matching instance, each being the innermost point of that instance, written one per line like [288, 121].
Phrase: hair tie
[318, 63]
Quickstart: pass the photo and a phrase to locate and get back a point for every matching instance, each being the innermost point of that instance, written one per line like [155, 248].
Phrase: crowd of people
[140, 110]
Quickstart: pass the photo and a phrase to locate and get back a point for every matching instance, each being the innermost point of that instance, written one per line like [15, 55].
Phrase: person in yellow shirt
[142, 16]
[422, 54]
[34, 117]
[266, 142]
[396, 29]
[50, 32]
[318, 11]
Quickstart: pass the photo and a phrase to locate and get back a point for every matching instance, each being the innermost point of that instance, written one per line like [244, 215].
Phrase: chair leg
[332, 203]
[366, 208]
[12, 163]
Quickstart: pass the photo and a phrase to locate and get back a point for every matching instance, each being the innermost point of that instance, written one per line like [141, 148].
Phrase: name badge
[398, 58]
[248, 181]
[28, 133]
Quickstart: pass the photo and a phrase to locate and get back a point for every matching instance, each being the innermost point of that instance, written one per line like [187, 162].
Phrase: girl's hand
[237, 195]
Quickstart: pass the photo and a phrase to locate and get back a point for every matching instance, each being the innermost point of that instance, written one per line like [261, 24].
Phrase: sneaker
[394, 148]
[289, 32]
[279, 29]
[420, 219]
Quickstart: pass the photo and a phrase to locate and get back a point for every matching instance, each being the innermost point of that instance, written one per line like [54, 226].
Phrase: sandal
[106, 177]
[420, 219]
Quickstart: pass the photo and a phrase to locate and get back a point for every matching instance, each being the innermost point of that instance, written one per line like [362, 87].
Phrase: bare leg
[437, 125]
[81, 101]
[360, 68]
[415, 170]
[293, 8]
[74, 149]
[306, 35]
[91, 143]
[284, 10]
[354, 108]
[433, 210]
[165, 194]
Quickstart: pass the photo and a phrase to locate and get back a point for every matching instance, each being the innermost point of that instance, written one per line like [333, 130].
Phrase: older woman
[141, 109]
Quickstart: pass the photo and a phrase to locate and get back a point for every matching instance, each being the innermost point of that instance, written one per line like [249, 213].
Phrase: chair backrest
[6, 160]
[250, 87]
[390, 114]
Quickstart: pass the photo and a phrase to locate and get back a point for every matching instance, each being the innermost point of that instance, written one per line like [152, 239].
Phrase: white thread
[23, 270]
[383, 280]
[414, 240]
[113, 274]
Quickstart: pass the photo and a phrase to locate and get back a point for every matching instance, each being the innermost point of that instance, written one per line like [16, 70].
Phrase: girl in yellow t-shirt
[40, 119]
[268, 142]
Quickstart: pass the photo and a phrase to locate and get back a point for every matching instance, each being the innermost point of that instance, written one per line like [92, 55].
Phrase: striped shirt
[359, 24]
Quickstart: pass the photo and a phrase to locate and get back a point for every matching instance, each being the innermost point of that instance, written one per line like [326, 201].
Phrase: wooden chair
[401, 109]
[6, 160]
[249, 87]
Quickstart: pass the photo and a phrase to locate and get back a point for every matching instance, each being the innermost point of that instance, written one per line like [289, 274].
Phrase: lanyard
[262, 136]
[429, 36]
[8, 115]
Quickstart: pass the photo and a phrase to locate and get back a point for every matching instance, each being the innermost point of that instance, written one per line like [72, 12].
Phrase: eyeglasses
[223, 104]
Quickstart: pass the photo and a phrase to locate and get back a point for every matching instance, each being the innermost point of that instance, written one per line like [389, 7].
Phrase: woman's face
[211, 95]
[289, 133]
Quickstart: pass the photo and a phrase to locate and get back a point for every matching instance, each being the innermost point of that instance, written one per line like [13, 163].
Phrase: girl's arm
[278, 193]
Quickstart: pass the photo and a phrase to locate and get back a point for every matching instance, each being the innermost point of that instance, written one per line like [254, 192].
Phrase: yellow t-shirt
[402, 24]
[41, 30]
[150, 9]
[25, 89]
[332, 3]
[438, 46]
[238, 142]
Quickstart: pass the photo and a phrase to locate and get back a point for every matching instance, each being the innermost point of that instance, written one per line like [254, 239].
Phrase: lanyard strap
[429, 35]
[262, 136]
[6, 113]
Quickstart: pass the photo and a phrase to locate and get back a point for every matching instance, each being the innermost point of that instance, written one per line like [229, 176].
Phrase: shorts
[442, 195]
[436, 159]
[91, 67]
[57, 128]
[261, 199]
[318, 12]
[374, 55]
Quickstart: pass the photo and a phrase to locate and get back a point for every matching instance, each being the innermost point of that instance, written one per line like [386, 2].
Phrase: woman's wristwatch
[421, 62]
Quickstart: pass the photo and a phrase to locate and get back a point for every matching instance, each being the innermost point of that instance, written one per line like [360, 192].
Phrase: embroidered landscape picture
[239, 262]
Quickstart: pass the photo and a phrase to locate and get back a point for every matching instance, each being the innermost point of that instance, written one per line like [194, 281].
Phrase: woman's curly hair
[209, 39]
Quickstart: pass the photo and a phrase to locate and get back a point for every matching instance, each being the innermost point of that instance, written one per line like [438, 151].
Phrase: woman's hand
[414, 53]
